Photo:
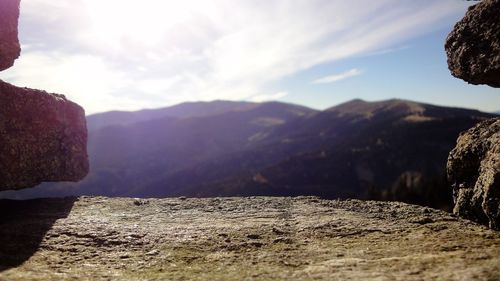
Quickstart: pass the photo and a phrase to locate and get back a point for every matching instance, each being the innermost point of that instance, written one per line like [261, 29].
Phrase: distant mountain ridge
[183, 110]
[355, 149]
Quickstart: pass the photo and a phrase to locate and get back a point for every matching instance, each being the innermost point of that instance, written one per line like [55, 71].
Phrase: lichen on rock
[256, 238]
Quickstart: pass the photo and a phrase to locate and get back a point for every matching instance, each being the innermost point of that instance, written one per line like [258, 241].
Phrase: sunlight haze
[129, 55]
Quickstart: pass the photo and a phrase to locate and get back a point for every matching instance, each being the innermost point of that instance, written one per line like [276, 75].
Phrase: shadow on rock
[23, 225]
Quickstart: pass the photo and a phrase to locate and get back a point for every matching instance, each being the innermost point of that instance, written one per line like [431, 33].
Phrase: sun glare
[139, 22]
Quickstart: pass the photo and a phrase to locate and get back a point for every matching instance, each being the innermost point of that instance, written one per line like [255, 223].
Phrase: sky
[129, 55]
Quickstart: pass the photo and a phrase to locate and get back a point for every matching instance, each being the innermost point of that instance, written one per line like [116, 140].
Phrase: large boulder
[43, 137]
[474, 173]
[473, 47]
[9, 44]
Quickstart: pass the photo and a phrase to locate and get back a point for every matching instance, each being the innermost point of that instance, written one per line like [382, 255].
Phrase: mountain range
[393, 150]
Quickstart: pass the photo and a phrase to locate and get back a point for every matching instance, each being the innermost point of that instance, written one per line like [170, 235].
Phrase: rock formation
[473, 47]
[474, 173]
[257, 238]
[9, 44]
[43, 137]
[473, 168]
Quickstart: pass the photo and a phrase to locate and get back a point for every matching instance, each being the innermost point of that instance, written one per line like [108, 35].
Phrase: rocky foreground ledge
[240, 238]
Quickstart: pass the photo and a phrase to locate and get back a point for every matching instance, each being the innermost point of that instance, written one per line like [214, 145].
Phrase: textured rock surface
[239, 239]
[474, 173]
[473, 47]
[9, 43]
[43, 137]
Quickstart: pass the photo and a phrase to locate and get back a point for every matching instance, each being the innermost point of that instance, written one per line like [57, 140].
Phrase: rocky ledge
[264, 238]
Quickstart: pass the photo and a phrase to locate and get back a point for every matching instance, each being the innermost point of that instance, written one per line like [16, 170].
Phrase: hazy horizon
[291, 103]
[130, 55]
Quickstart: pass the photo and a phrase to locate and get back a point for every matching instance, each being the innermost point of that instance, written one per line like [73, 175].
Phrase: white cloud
[153, 53]
[85, 79]
[337, 77]
[262, 98]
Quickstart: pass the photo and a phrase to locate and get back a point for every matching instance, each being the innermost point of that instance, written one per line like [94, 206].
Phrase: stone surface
[9, 43]
[43, 137]
[473, 47]
[263, 238]
[474, 172]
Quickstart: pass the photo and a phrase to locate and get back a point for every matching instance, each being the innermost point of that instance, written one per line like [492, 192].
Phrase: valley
[387, 150]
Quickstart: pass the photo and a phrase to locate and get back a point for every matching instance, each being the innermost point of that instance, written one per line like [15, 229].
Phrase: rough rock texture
[259, 238]
[474, 172]
[9, 43]
[473, 47]
[43, 137]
